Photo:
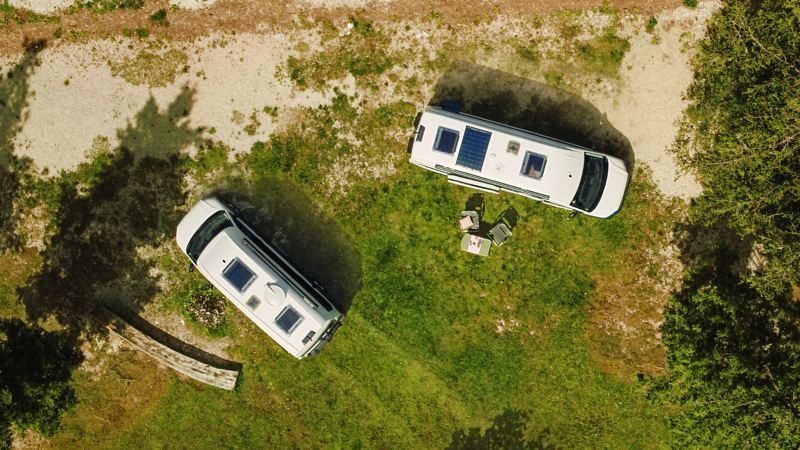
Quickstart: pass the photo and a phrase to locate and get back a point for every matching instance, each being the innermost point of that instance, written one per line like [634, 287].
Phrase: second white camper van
[265, 286]
[493, 157]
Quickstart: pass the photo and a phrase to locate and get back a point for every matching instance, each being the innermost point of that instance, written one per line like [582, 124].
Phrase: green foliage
[603, 54]
[651, 23]
[103, 6]
[742, 136]
[138, 32]
[731, 332]
[363, 52]
[690, 3]
[35, 371]
[159, 17]
[9, 15]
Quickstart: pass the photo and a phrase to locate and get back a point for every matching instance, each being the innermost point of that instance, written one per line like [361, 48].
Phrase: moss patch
[151, 69]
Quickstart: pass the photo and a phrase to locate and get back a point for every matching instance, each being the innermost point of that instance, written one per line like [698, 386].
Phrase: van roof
[258, 290]
[498, 152]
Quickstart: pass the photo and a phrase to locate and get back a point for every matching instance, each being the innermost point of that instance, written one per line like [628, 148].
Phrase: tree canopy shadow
[718, 310]
[507, 431]
[280, 211]
[14, 90]
[35, 371]
[129, 199]
[531, 105]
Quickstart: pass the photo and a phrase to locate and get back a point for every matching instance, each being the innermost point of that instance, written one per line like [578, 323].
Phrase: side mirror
[573, 214]
[191, 267]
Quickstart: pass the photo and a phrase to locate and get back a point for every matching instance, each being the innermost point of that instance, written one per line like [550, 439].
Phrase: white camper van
[493, 157]
[258, 278]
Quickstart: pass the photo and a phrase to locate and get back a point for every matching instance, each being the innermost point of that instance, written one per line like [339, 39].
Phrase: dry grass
[627, 307]
[248, 15]
[151, 69]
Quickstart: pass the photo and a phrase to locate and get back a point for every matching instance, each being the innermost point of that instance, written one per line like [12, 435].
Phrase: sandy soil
[234, 79]
[76, 98]
[195, 18]
[655, 78]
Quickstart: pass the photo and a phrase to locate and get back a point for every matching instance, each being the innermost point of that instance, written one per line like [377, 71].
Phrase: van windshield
[593, 181]
[210, 228]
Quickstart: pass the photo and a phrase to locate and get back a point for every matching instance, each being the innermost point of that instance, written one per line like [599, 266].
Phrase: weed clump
[651, 23]
[206, 306]
[603, 54]
[150, 69]
[159, 17]
[103, 6]
[361, 50]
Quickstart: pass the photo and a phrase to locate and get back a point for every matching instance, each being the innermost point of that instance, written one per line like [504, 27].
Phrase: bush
[651, 24]
[731, 332]
[206, 306]
[159, 17]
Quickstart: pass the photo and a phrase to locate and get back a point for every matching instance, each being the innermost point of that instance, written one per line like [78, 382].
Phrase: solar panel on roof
[473, 148]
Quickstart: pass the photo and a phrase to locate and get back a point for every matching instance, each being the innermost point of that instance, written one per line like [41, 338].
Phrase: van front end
[325, 337]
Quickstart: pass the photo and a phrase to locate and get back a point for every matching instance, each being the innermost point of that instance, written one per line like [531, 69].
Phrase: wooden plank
[224, 378]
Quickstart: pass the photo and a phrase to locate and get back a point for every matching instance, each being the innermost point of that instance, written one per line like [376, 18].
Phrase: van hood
[614, 191]
[195, 218]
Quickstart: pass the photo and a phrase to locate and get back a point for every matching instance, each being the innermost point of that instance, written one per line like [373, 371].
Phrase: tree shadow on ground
[35, 370]
[508, 431]
[740, 342]
[736, 318]
[281, 212]
[531, 105]
[138, 322]
[131, 201]
[14, 88]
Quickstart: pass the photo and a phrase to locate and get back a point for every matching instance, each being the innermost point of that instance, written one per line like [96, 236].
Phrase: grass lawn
[438, 345]
[436, 341]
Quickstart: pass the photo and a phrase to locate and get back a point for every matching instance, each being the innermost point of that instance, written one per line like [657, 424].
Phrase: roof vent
[513, 147]
[275, 294]
[253, 303]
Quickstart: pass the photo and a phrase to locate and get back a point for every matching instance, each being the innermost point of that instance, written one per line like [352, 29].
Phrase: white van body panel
[272, 287]
[502, 169]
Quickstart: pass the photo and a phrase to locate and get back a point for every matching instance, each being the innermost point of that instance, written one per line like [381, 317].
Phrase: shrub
[159, 17]
[206, 306]
[651, 24]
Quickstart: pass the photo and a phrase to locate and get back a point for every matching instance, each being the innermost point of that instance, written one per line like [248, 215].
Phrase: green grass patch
[11, 15]
[436, 342]
[363, 52]
[603, 54]
[149, 68]
[104, 6]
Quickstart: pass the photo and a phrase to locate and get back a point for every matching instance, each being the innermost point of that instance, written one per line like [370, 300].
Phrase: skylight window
[288, 319]
[253, 303]
[533, 166]
[239, 275]
[446, 140]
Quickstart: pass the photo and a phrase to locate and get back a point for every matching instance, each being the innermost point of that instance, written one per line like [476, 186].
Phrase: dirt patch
[627, 307]
[655, 74]
[228, 74]
[238, 16]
